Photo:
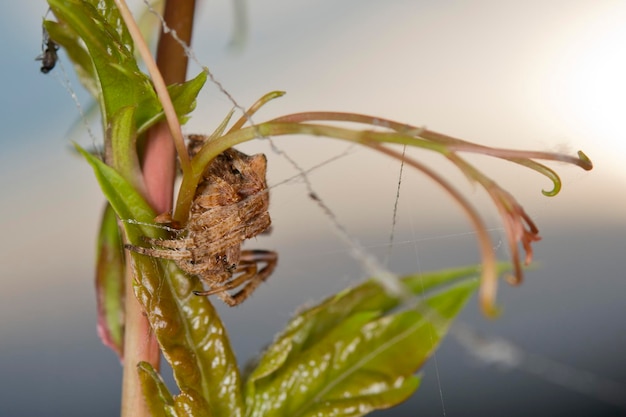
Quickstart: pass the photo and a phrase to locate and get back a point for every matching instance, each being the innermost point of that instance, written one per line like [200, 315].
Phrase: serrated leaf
[110, 283]
[183, 99]
[349, 355]
[158, 398]
[119, 81]
[313, 323]
[108, 68]
[191, 335]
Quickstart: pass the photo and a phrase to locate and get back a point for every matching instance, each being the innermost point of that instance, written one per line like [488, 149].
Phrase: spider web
[490, 351]
[494, 351]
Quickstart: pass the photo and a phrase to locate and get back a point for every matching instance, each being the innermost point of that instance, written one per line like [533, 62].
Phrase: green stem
[273, 128]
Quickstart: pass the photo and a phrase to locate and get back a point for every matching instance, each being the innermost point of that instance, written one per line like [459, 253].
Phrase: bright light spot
[596, 85]
[587, 82]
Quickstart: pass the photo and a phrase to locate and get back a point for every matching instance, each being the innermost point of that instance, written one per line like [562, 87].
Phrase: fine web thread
[64, 80]
[394, 222]
[394, 218]
[489, 350]
[505, 355]
[314, 167]
[369, 263]
[66, 83]
[430, 333]
[373, 267]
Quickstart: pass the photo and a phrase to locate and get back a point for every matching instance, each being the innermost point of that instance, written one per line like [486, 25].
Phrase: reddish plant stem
[139, 345]
[159, 164]
[159, 171]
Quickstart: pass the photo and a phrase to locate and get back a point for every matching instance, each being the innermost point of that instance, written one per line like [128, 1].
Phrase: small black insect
[48, 56]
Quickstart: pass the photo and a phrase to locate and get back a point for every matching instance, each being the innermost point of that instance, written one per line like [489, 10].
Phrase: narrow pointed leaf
[183, 99]
[125, 200]
[110, 283]
[123, 155]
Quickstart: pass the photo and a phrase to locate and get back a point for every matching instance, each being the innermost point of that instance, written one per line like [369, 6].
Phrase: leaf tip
[490, 310]
[556, 187]
[585, 162]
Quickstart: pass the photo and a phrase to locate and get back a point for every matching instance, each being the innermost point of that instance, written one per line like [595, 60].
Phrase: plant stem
[159, 171]
[159, 164]
[139, 345]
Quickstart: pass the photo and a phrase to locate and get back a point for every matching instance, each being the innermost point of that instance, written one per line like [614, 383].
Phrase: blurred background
[543, 75]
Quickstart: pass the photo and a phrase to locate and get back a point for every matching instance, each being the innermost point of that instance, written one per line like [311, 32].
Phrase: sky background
[544, 75]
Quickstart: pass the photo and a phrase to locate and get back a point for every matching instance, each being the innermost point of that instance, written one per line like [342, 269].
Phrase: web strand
[64, 80]
[368, 262]
[489, 351]
[394, 217]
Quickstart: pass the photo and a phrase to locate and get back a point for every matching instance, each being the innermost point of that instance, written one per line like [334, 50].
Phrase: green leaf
[123, 156]
[155, 392]
[125, 200]
[354, 353]
[183, 99]
[108, 67]
[112, 16]
[191, 335]
[119, 81]
[110, 283]
[313, 323]
[358, 405]
[191, 404]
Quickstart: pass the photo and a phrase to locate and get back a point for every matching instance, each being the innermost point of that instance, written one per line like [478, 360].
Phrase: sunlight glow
[588, 81]
[597, 83]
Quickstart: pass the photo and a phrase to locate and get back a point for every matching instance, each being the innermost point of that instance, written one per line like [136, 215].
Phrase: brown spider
[230, 206]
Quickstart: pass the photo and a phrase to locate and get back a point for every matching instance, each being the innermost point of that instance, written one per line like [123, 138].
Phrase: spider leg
[182, 258]
[175, 255]
[201, 270]
[250, 274]
[246, 272]
[258, 255]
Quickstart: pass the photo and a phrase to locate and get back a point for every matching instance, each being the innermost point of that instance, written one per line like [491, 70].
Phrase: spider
[230, 206]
